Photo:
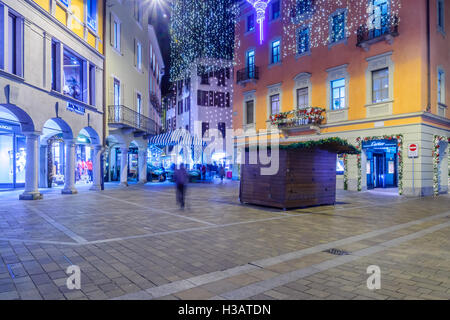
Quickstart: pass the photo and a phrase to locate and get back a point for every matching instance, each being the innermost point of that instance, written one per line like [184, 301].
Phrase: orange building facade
[369, 71]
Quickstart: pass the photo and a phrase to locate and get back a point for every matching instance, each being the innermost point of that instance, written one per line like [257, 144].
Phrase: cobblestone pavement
[134, 243]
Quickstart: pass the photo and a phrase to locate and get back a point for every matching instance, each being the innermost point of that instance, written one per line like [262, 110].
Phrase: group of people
[84, 169]
[211, 169]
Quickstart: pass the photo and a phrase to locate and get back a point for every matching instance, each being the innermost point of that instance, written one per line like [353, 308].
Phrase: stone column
[31, 191]
[124, 166]
[96, 172]
[43, 164]
[69, 170]
[142, 159]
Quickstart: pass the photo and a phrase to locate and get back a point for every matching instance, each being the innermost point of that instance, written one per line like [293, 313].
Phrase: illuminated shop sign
[5, 127]
[380, 143]
[75, 108]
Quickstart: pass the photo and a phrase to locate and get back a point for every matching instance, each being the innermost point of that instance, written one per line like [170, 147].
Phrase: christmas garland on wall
[435, 153]
[345, 157]
[399, 138]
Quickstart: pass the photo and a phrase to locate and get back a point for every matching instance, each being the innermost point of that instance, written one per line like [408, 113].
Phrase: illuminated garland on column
[435, 153]
[201, 29]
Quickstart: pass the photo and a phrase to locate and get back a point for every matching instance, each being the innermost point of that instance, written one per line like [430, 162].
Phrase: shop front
[12, 156]
[84, 166]
[382, 163]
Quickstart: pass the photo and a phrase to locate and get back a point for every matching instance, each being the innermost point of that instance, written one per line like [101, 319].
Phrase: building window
[138, 103]
[15, 44]
[441, 15]
[275, 52]
[116, 92]
[138, 55]
[380, 22]
[73, 75]
[92, 85]
[65, 2]
[91, 8]
[221, 128]
[303, 7]
[302, 98]
[303, 43]
[55, 59]
[275, 10]
[337, 28]
[138, 109]
[441, 87]
[180, 107]
[137, 11]
[249, 112]
[187, 104]
[274, 104]
[338, 94]
[380, 85]
[205, 129]
[250, 22]
[250, 62]
[116, 35]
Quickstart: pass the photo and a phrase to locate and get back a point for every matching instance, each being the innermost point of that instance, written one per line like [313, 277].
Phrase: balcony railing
[247, 74]
[298, 118]
[155, 102]
[126, 117]
[387, 31]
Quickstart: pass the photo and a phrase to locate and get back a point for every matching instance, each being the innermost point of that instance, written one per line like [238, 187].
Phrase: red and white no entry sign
[413, 150]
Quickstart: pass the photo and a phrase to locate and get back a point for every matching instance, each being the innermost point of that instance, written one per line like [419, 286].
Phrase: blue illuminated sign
[380, 143]
[75, 108]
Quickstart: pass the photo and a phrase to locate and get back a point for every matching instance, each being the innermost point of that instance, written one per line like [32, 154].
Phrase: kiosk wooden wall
[306, 177]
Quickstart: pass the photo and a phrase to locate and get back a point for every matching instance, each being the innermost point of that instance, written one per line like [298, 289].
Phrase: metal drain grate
[337, 252]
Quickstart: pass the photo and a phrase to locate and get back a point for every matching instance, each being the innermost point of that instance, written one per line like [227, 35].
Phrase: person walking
[203, 172]
[90, 168]
[181, 180]
[221, 173]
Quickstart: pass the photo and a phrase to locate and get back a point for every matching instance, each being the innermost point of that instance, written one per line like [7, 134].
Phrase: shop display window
[73, 76]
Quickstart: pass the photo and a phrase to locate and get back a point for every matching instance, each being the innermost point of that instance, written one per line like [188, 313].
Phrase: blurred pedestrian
[181, 180]
[221, 173]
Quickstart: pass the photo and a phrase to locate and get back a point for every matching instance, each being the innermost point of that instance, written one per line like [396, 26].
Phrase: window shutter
[111, 26]
[111, 91]
[135, 53]
[122, 93]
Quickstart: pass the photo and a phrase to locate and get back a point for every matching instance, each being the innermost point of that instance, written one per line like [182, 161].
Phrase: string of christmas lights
[201, 29]
[358, 13]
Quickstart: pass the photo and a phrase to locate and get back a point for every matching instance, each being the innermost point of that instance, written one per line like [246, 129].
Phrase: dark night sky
[160, 19]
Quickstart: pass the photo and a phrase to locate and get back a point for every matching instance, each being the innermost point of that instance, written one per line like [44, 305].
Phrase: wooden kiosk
[306, 175]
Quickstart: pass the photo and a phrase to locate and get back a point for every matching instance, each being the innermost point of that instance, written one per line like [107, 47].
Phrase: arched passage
[57, 155]
[88, 151]
[18, 151]
[127, 159]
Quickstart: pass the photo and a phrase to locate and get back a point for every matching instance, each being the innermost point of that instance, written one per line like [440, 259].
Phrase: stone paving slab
[137, 241]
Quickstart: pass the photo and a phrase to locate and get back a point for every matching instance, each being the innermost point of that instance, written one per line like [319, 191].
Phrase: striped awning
[177, 137]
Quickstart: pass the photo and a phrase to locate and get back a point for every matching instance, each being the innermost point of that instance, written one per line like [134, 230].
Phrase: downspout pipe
[105, 123]
[428, 58]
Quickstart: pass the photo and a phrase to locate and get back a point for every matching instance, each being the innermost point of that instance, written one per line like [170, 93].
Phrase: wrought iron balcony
[155, 102]
[122, 117]
[247, 74]
[387, 31]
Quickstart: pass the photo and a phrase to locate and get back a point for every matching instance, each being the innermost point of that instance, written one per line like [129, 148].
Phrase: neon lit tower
[260, 7]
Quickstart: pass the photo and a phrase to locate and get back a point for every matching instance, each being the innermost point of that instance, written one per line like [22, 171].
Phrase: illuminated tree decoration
[260, 7]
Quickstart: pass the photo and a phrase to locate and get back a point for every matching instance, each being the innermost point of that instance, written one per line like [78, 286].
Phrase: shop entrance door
[379, 160]
[381, 164]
